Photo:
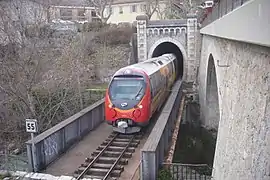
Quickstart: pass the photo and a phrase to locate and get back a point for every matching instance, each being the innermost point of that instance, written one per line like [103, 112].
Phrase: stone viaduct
[231, 68]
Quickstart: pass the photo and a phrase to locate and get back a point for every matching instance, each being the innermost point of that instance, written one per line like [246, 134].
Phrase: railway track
[108, 161]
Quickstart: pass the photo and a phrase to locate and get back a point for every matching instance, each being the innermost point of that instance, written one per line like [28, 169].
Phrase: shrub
[164, 174]
[114, 36]
[92, 26]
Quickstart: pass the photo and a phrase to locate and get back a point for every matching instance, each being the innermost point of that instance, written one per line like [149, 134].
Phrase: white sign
[31, 125]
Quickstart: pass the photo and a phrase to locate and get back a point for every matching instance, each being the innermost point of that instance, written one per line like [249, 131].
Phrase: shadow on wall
[168, 47]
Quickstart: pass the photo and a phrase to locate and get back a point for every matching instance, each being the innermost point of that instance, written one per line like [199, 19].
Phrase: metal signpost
[31, 127]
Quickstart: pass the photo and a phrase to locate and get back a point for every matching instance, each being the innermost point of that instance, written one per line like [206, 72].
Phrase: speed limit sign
[31, 125]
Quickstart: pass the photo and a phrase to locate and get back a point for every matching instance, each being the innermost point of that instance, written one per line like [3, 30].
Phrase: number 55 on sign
[31, 126]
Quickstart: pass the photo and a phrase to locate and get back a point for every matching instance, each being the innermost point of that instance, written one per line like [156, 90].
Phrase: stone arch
[176, 43]
[172, 30]
[212, 97]
[183, 30]
[156, 31]
[177, 31]
[161, 31]
[166, 31]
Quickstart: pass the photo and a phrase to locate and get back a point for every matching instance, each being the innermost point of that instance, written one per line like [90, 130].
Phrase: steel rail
[96, 158]
[118, 159]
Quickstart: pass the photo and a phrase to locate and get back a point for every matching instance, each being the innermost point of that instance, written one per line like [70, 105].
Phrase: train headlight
[140, 106]
[110, 105]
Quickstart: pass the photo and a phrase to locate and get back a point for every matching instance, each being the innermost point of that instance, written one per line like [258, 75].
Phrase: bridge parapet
[50, 144]
[157, 144]
[222, 8]
[247, 21]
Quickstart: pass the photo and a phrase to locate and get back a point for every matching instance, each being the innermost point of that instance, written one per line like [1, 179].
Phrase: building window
[121, 10]
[110, 10]
[81, 14]
[66, 14]
[133, 8]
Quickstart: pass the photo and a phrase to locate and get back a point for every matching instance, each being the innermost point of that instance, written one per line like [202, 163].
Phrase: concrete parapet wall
[50, 144]
[153, 151]
[248, 23]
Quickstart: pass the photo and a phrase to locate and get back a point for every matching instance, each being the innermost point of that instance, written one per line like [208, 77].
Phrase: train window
[127, 88]
[170, 68]
[152, 87]
[155, 84]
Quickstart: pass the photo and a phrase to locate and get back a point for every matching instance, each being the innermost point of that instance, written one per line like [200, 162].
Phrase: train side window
[159, 80]
[152, 87]
[160, 62]
[155, 84]
[170, 68]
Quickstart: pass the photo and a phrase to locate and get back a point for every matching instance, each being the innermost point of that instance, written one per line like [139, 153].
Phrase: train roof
[152, 65]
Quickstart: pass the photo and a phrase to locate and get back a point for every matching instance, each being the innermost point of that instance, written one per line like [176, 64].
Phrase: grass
[98, 87]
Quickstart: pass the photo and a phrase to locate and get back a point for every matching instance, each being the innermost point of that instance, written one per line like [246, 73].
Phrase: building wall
[128, 15]
[243, 81]
[73, 13]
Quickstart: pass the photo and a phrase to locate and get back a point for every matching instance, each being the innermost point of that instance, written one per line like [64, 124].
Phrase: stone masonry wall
[243, 141]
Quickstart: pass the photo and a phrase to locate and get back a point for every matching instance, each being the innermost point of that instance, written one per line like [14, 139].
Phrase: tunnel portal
[169, 47]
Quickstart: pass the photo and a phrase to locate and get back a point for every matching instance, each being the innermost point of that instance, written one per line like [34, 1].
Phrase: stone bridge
[233, 79]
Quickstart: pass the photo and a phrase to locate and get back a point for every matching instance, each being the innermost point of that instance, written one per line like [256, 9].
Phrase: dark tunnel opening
[168, 47]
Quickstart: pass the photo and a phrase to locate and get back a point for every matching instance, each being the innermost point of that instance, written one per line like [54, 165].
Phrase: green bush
[164, 174]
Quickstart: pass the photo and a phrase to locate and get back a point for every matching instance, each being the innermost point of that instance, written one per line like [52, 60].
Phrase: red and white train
[137, 91]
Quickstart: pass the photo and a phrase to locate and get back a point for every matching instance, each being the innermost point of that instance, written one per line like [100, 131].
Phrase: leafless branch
[100, 6]
[150, 7]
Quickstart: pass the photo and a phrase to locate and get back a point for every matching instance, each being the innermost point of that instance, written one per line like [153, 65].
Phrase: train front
[127, 101]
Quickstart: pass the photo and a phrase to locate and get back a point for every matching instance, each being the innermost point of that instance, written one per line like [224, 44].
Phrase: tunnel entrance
[169, 47]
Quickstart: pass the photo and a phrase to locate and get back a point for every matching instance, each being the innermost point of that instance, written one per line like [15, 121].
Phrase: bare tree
[161, 13]
[181, 10]
[100, 7]
[150, 7]
[24, 63]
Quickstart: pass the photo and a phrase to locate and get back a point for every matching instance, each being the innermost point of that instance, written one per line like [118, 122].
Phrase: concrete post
[142, 37]
[88, 15]
[191, 47]
[74, 14]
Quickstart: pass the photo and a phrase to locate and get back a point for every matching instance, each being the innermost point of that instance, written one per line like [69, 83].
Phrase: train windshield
[127, 88]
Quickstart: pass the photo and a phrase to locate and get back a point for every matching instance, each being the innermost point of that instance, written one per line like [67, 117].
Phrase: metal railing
[180, 171]
[50, 144]
[221, 8]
